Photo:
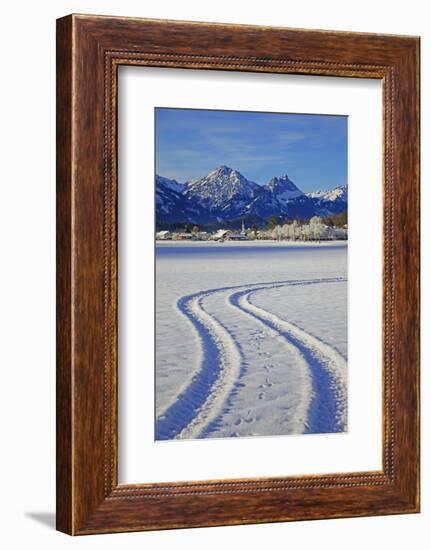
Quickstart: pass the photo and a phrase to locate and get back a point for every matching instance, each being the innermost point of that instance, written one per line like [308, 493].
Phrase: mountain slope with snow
[284, 189]
[330, 202]
[225, 195]
[173, 207]
[224, 192]
[338, 193]
[173, 185]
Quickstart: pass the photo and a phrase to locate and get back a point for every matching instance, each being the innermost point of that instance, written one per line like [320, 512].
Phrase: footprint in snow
[266, 384]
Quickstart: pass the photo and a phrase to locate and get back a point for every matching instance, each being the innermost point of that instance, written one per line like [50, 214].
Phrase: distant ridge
[226, 196]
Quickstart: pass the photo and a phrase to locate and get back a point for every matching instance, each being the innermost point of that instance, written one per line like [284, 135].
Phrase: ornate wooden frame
[89, 51]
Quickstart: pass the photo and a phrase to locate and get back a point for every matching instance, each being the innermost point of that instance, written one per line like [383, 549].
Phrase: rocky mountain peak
[284, 188]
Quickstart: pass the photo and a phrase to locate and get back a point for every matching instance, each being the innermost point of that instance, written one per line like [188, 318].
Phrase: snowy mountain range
[226, 196]
[332, 201]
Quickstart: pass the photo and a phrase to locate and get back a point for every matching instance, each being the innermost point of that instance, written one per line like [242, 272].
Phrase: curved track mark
[328, 368]
[197, 407]
[203, 398]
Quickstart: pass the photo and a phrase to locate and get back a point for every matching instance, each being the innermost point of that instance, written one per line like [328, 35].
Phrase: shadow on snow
[322, 412]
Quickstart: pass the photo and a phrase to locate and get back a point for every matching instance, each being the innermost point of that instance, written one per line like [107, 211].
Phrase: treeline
[336, 220]
[340, 220]
[314, 229]
[254, 223]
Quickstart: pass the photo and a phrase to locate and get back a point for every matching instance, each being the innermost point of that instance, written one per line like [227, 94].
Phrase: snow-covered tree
[277, 233]
[316, 228]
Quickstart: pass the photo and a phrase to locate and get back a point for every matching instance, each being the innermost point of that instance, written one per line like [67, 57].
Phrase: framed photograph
[237, 274]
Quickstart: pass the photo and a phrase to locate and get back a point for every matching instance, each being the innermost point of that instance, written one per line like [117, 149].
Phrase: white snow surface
[251, 339]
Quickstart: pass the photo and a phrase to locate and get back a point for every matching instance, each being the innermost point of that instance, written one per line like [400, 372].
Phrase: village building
[314, 230]
[220, 235]
[203, 235]
[184, 237]
[163, 235]
[339, 233]
[242, 236]
[237, 237]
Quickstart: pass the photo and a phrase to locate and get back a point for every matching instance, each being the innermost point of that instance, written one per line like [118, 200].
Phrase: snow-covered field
[251, 339]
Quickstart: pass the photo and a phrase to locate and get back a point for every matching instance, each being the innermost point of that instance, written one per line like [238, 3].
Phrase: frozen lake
[251, 339]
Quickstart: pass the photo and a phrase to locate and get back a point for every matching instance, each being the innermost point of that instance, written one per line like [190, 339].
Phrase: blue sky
[310, 149]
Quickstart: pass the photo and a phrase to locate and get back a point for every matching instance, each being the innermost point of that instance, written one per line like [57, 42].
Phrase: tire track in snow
[201, 402]
[328, 368]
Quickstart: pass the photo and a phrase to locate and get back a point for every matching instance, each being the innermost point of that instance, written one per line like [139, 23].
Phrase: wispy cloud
[312, 149]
